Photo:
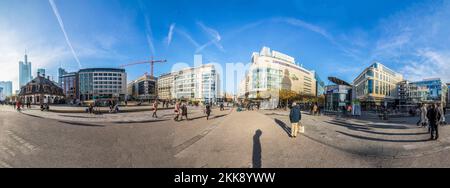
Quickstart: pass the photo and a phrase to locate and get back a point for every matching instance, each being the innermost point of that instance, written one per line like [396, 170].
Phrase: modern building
[41, 72]
[320, 85]
[165, 87]
[143, 88]
[427, 91]
[448, 95]
[7, 88]
[2, 97]
[272, 71]
[200, 84]
[376, 86]
[102, 83]
[69, 84]
[337, 96]
[24, 72]
[41, 90]
[61, 72]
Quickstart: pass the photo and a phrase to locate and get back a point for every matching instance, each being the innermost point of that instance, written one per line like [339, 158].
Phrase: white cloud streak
[214, 36]
[170, 34]
[61, 24]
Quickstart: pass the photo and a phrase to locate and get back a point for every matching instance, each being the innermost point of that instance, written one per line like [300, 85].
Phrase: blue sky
[334, 38]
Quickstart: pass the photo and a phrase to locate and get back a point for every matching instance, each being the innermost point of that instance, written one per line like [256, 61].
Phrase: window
[370, 86]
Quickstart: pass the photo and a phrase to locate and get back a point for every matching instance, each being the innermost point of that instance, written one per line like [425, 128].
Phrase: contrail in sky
[61, 24]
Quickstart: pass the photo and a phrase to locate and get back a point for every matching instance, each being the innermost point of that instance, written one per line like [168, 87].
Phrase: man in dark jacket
[434, 116]
[295, 116]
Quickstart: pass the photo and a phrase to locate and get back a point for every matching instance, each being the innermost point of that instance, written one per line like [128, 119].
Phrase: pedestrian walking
[207, 111]
[18, 103]
[177, 111]
[155, 109]
[315, 109]
[221, 107]
[433, 115]
[441, 112]
[184, 111]
[423, 116]
[295, 116]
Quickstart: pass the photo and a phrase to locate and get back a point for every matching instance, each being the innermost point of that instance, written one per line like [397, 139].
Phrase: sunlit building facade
[102, 83]
[197, 84]
[377, 86]
[272, 71]
[165, 86]
[143, 88]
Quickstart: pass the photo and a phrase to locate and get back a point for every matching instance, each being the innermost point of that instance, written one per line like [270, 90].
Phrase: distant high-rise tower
[7, 88]
[61, 72]
[41, 72]
[24, 72]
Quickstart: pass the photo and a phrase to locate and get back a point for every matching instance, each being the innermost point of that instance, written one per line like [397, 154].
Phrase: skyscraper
[7, 88]
[61, 73]
[24, 72]
[41, 72]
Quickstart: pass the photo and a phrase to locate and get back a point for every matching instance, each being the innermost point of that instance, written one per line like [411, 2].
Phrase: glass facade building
[199, 83]
[24, 72]
[376, 86]
[102, 83]
[69, 84]
[7, 88]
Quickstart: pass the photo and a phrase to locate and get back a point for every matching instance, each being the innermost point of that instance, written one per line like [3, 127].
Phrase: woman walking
[155, 109]
[177, 111]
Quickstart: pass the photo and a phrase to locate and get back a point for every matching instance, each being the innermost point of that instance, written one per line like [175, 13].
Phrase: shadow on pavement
[75, 116]
[380, 139]
[256, 156]
[219, 116]
[143, 121]
[81, 124]
[283, 126]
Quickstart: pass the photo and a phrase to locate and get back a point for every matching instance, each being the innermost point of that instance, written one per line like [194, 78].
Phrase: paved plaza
[248, 139]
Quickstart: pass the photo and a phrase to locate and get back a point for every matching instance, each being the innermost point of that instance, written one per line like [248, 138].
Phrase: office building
[69, 84]
[337, 96]
[61, 72]
[102, 83]
[427, 91]
[41, 72]
[24, 72]
[201, 84]
[320, 85]
[7, 88]
[377, 86]
[143, 88]
[448, 95]
[165, 86]
[272, 71]
[2, 97]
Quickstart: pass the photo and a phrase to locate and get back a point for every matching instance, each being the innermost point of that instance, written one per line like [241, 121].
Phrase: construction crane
[151, 61]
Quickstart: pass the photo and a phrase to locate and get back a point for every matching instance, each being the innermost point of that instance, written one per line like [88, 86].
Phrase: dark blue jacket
[295, 115]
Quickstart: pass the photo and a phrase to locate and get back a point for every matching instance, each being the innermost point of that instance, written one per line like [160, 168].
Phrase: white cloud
[416, 41]
[429, 64]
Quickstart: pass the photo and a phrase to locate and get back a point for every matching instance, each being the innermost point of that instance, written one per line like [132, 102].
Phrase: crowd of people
[431, 116]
